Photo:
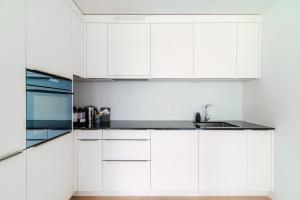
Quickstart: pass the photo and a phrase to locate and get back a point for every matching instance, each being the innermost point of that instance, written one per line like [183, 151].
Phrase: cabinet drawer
[126, 134]
[126, 176]
[126, 149]
[90, 135]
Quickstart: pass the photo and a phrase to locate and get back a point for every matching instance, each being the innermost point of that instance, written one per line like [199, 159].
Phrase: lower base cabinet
[49, 170]
[260, 161]
[126, 176]
[174, 160]
[235, 161]
[89, 165]
[222, 161]
[13, 178]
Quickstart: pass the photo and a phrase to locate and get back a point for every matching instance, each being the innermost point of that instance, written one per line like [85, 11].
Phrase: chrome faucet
[206, 117]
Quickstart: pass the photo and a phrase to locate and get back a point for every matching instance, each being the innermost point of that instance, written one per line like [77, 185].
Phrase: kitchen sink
[215, 124]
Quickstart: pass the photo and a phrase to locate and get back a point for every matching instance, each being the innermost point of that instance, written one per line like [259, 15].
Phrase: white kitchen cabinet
[48, 34]
[222, 161]
[123, 134]
[172, 50]
[75, 160]
[126, 149]
[260, 161]
[174, 160]
[49, 170]
[248, 50]
[215, 50]
[12, 76]
[96, 50]
[78, 45]
[126, 161]
[129, 51]
[13, 178]
[126, 176]
[89, 164]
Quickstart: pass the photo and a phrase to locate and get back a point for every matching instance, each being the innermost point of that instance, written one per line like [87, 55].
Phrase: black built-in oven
[49, 107]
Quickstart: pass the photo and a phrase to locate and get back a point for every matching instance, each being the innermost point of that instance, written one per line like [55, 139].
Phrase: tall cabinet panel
[78, 45]
[13, 178]
[172, 50]
[129, 50]
[49, 170]
[248, 58]
[96, 50]
[12, 77]
[215, 50]
[49, 36]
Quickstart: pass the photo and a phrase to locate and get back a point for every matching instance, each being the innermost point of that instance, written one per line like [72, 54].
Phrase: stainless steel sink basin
[215, 124]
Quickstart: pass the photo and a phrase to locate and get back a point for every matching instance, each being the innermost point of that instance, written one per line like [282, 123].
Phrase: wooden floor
[170, 198]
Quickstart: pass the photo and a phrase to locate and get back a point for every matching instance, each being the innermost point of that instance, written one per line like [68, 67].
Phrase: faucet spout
[206, 116]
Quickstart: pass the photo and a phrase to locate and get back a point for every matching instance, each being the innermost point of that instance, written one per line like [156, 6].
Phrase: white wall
[144, 100]
[275, 99]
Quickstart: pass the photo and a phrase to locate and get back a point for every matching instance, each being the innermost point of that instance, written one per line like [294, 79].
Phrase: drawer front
[126, 134]
[126, 176]
[126, 149]
[89, 135]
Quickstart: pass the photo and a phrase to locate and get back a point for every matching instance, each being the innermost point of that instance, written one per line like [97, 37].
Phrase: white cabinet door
[248, 54]
[78, 45]
[49, 170]
[260, 162]
[48, 32]
[12, 76]
[89, 165]
[215, 50]
[222, 161]
[172, 50]
[126, 149]
[174, 160]
[75, 160]
[126, 176]
[129, 50]
[13, 178]
[96, 50]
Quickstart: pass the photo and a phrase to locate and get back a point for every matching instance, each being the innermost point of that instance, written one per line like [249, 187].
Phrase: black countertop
[174, 125]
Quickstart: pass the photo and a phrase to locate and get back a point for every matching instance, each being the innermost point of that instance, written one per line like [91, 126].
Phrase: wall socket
[169, 110]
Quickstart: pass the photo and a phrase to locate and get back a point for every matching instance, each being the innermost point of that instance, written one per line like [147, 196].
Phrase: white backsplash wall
[147, 100]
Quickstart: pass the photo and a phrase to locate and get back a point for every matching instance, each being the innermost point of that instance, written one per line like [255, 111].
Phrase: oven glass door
[49, 108]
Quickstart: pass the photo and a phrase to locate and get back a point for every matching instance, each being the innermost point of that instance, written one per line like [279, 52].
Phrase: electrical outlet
[169, 110]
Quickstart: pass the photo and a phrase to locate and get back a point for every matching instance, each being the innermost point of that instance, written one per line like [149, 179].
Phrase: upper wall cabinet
[49, 37]
[172, 49]
[96, 50]
[248, 54]
[200, 47]
[129, 50]
[78, 45]
[215, 50]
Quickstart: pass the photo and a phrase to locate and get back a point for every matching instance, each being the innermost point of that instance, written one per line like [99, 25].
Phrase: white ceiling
[174, 6]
